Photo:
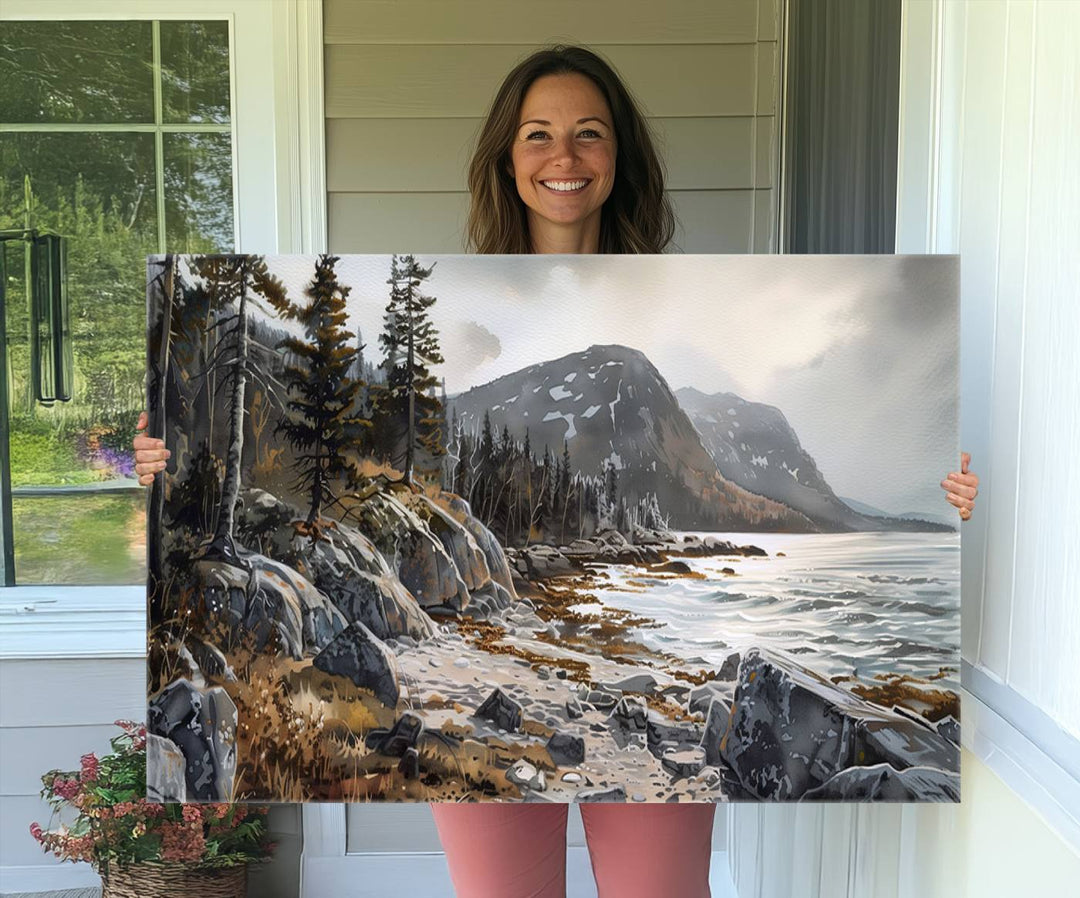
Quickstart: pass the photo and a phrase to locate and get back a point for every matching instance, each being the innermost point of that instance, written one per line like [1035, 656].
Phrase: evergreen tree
[322, 387]
[611, 483]
[547, 481]
[411, 414]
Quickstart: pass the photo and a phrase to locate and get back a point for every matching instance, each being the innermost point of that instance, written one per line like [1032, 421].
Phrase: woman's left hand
[961, 487]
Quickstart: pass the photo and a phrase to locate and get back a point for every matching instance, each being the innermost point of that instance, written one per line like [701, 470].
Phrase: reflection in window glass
[98, 190]
[195, 71]
[84, 540]
[198, 192]
[55, 72]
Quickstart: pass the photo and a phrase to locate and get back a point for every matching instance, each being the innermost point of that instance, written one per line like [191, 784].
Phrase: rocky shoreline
[427, 663]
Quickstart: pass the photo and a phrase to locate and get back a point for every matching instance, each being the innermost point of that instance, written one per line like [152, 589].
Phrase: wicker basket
[171, 880]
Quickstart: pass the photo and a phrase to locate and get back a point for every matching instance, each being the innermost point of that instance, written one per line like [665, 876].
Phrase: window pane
[76, 72]
[195, 71]
[81, 540]
[98, 190]
[198, 193]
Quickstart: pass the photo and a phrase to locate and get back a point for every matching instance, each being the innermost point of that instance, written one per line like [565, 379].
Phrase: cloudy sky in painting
[858, 352]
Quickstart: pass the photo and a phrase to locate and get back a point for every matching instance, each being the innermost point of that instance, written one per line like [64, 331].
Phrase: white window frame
[276, 56]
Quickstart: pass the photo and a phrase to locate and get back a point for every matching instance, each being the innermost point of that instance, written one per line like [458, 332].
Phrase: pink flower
[65, 788]
[150, 808]
[192, 813]
[181, 842]
[36, 831]
[89, 767]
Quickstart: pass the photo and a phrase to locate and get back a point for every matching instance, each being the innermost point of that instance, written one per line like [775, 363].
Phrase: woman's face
[563, 154]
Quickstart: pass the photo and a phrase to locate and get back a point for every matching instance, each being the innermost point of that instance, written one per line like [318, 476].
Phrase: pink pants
[519, 850]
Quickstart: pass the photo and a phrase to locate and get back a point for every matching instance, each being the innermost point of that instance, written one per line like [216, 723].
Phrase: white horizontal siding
[522, 22]
[53, 712]
[439, 81]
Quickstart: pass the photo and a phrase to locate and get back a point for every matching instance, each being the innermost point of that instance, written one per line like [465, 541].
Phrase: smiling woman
[563, 117]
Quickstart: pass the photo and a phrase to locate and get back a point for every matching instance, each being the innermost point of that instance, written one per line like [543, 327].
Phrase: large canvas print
[553, 528]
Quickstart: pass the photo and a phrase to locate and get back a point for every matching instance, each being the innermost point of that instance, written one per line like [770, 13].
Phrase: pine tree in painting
[410, 415]
[323, 389]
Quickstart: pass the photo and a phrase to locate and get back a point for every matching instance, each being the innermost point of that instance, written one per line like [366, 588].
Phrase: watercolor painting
[558, 529]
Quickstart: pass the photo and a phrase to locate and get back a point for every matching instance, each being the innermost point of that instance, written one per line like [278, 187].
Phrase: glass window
[118, 136]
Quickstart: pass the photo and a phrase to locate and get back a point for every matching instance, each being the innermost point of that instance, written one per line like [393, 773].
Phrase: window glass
[198, 173]
[79, 515]
[62, 72]
[195, 71]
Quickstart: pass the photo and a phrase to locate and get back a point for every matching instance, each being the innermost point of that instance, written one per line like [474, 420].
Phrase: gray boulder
[702, 696]
[498, 566]
[949, 728]
[880, 782]
[541, 562]
[631, 713]
[660, 728]
[612, 794]
[716, 722]
[791, 730]
[164, 770]
[458, 542]
[348, 568]
[566, 749]
[522, 773]
[413, 551]
[396, 740]
[203, 727]
[641, 682]
[320, 620]
[684, 762]
[501, 710]
[359, 655]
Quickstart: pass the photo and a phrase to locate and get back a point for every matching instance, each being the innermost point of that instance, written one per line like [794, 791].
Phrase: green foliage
[116, 825]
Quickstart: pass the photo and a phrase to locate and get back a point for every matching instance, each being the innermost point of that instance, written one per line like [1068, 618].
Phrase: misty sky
[858, 352]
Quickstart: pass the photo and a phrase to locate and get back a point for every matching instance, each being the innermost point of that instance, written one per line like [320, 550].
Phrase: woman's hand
[150, 454]
[961, 488]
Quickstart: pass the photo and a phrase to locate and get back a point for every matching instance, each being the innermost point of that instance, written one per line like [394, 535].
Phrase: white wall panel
[1045, 627]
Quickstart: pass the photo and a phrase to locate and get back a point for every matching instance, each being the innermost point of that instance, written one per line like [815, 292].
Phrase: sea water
[851, 604]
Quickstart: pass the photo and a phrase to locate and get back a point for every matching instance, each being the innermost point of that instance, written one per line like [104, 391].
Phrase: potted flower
[144, 848]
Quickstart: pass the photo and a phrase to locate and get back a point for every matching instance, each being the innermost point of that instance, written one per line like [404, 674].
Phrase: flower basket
[173, 880]
[143, 848]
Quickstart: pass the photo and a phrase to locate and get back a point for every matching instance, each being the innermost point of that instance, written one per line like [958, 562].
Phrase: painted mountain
[755, 447]
[613, 408]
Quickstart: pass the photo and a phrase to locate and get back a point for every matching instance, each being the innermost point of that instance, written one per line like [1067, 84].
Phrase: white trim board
[1023, 765]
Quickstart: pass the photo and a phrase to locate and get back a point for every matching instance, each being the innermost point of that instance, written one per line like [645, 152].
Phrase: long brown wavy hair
[637, 216]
